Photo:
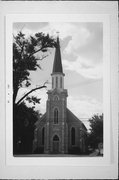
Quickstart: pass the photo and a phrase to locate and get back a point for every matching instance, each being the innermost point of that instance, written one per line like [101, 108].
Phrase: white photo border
[107, 166]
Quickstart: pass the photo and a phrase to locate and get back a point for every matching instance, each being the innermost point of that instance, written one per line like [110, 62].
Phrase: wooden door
[56, 144]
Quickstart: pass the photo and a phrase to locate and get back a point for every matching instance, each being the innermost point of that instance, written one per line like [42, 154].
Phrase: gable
[41, 121]
[72, 119]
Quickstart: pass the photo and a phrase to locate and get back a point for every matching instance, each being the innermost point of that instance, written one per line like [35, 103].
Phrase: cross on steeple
[57, 33]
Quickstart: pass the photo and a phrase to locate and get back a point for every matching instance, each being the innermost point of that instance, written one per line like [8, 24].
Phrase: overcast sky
[82, 59]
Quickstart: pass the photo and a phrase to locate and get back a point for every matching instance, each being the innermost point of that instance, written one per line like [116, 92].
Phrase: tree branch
[30, 93]
[40, 59]
[35, 52]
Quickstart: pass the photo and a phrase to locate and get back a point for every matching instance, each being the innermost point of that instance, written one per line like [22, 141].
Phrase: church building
[59, 131]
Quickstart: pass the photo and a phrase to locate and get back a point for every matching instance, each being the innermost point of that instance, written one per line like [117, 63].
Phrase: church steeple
[57, 73]
[57, 66]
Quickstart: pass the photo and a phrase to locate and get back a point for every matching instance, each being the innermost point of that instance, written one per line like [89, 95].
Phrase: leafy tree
[96, 131]
[24, 119]
[27, 51]
[26, 55]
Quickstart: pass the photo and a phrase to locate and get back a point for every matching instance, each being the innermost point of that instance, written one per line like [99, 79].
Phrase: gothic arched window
[56, 82]
[60, 82]
[43, 135]
[56, 116]
[55, 138]
[73, 136]
[52, 82]
[56, 98]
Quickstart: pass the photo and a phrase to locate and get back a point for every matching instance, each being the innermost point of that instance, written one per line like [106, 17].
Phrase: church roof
[71, 118]
[43, 118]
[57, 66]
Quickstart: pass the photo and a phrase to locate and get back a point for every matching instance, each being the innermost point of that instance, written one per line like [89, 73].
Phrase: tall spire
[57, 66]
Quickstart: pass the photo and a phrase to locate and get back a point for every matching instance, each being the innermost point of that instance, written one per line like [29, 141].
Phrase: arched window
[52, 82]
[56, 116]
[43, 135]
[56, 98]
[60, 82]
[56, 82]
[73, 136]
[55, 138]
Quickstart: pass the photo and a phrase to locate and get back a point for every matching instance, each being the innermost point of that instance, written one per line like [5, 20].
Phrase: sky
[82, 58]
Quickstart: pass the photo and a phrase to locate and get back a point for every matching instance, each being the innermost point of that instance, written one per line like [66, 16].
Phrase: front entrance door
[55, 144]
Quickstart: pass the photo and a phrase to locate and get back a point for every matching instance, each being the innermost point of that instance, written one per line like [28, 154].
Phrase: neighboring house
[59, 130]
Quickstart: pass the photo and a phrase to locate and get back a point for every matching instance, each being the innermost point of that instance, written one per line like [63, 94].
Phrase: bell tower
[56, 126]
